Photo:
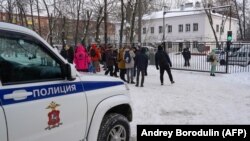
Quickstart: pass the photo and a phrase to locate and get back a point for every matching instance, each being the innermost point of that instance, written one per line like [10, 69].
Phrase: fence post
[227, 50]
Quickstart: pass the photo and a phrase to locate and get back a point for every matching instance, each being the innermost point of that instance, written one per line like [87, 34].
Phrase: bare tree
[50, 23]
[39, 20]
[9, 10]
[105, 22]
[78, 8]
[239, 19]
[31, 2]
[132, 30]
[210, 18]
[86, 27]
[21, 5]
[122, 21]
[244, 19]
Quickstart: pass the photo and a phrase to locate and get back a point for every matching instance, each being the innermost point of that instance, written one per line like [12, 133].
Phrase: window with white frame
[169, 28]
[180, 27]
[152, 29]
[196, 27]
[187, 27]
[160, 29]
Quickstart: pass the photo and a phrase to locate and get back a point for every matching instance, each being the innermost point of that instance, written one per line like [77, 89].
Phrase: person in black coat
[141, 62]
[187, 56]
[162, 59]
[109, 58]
[68, 53]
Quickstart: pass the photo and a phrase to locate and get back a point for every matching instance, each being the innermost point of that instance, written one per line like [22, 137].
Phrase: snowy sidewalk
[195, 98]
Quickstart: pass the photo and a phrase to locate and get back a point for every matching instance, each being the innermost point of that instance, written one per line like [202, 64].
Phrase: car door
[3, 128]
[39, 103]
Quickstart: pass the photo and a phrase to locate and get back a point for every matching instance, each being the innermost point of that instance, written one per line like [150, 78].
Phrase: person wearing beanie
[162, 59]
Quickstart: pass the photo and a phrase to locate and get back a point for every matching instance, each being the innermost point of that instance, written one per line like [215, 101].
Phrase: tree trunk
[32, 17]
[122, 22]
[133, 23]
[105, 23]
[100, 18]
[39, 20]
[10, 11]
[244, 19]
[139, 21]
[210, 19]
[77, 21]
[50, 23]
[87, 27]
[63, 31]
[239, 19]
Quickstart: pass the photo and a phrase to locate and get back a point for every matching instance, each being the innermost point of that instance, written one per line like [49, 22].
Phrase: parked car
[240, 57]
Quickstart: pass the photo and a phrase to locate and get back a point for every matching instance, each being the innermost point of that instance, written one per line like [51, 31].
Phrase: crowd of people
[130, 62]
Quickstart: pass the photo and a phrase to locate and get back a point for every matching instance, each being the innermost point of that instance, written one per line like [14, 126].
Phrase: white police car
[43, 97]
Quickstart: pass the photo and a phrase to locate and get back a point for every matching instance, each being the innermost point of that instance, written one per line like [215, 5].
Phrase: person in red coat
[95, 57]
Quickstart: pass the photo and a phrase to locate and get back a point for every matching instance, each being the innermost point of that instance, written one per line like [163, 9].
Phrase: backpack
[210, 58]
[127, 57]
[92, 53]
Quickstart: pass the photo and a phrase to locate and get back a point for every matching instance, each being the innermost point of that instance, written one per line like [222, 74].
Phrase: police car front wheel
[114, 127]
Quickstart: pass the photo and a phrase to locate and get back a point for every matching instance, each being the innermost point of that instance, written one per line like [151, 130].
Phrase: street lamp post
[165, 9]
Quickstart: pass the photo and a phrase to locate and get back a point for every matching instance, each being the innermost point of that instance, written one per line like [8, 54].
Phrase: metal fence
[236, 59]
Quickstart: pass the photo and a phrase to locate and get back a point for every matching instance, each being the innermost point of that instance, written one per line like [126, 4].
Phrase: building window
[195, 44]
[195, 26]
[180, 28]
[217, 28]
[160, 29]
[187, 44]
[144, 30]
[187, 27]
[152, 30]
[169, 28]
[222, 29]
[170, 44]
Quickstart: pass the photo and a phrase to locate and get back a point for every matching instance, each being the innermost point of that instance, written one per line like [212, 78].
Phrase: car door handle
[18, 95]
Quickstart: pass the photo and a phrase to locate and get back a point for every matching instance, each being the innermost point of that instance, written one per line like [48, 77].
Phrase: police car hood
[98, 77]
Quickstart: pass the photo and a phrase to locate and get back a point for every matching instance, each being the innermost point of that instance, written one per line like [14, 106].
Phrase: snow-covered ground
[195, 98]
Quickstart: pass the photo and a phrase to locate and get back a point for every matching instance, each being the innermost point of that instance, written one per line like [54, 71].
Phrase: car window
[23, 60]
[242, 54]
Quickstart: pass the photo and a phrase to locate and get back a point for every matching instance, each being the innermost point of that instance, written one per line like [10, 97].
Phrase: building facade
[187, 24]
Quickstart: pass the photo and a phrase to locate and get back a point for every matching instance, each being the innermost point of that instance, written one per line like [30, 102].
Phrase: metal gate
[236, 60]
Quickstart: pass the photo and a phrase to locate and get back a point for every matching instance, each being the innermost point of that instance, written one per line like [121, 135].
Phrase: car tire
[222, 62]
[114, 127]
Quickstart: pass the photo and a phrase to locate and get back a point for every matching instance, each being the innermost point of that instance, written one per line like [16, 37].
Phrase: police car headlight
[126, 86]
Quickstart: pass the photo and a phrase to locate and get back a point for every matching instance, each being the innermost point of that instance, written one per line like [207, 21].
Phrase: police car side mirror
[70, 72]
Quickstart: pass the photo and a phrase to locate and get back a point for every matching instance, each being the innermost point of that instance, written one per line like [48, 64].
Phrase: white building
[183, 26]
